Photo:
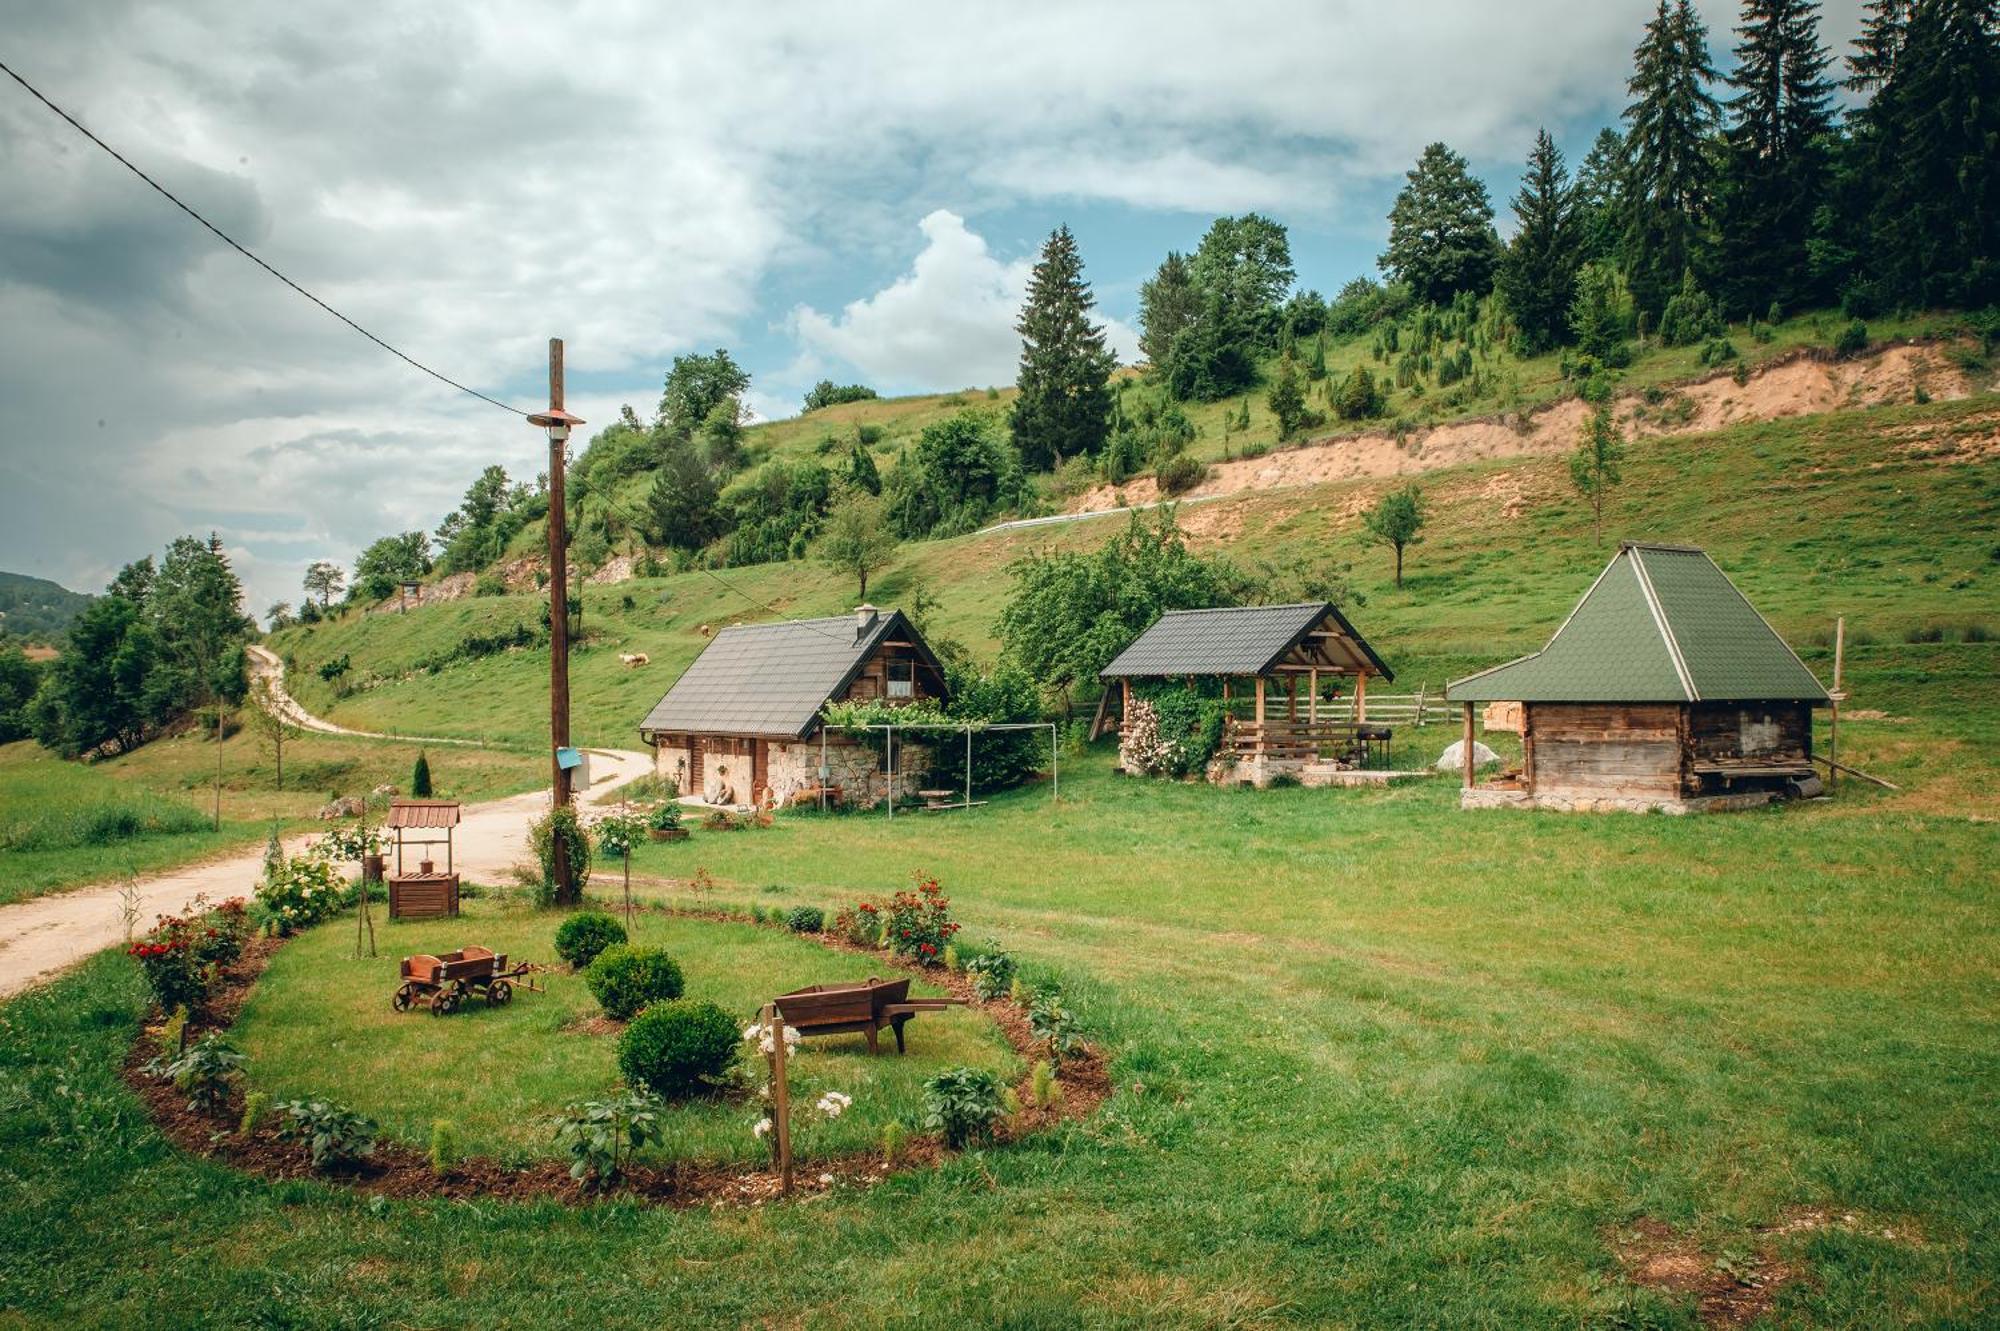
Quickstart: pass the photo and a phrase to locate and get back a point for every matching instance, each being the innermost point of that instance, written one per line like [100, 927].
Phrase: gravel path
[41, 937]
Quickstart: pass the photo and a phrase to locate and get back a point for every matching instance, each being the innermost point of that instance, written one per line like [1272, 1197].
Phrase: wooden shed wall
[1776, 731]
[1606, 750]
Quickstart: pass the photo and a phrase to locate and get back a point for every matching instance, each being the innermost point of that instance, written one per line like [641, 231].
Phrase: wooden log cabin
[743, 725]
[1663, 690]
[1275, 663]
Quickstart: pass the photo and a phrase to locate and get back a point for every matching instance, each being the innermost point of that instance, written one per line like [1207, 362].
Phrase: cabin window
[902, 679]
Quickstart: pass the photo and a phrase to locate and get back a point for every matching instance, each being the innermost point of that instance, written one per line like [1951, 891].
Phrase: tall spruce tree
[1878, 45]
[1064, 408]
[1538, 273]
[1441, 238]
[1669, 180]
[1600, 196]
[1931, 154]
[1776, 158]
[1168, 303]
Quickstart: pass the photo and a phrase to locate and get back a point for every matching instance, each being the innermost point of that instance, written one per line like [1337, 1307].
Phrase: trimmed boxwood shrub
[626, 979]
[805, 919]
[676, 1049]
[585, 934]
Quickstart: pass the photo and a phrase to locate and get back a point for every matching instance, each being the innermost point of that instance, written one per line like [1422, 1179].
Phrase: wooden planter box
[423, 896]
[667, 833]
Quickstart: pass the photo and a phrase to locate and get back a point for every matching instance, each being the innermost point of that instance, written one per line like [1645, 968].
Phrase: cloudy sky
[853, 191]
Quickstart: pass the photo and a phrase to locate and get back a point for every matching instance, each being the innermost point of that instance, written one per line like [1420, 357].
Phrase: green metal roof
[1661, 624]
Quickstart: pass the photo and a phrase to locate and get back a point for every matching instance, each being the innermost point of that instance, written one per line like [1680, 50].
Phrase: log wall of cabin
[1777, 731]
[1606, 750]
[872, 684]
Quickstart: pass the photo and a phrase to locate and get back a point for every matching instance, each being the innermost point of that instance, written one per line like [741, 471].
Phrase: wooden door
[695, 745]
[760, 770]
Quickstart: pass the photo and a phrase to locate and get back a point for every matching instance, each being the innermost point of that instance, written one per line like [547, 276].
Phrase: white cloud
[947, 322]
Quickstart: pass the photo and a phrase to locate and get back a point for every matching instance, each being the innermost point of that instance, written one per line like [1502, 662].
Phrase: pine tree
[420, 777]
[1538, 273]
[861, 470]
[1878, 45]
[1669, 179]
[1600, 196]
[1168, 304]
[1931, 153]
[1064, 408]
[1441, 239]
[1286, 400]
[1776, 165]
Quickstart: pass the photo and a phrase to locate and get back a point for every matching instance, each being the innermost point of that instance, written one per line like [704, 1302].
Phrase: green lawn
[319, 1022]
[1377, 1062]
[65, 824]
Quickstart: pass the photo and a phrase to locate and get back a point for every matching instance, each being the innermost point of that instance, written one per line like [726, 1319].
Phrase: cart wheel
[499, 994]
[401, 1000]
[442, 1002]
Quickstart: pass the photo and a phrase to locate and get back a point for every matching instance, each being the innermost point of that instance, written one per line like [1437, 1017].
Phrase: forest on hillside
[1720, 206]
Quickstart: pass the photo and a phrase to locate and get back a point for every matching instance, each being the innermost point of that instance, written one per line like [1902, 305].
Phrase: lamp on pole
[557, 422]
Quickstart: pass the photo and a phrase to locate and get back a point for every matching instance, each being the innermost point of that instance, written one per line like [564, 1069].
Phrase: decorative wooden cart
[448, 982]
[831, 1009]
[425, 893]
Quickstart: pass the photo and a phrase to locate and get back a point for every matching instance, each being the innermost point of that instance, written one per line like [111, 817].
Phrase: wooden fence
[1425, 707]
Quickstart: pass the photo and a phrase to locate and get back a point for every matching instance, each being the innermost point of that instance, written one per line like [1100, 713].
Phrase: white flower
[752, 1031]
[762, 1129]
[791, 1037]
[833, 1104]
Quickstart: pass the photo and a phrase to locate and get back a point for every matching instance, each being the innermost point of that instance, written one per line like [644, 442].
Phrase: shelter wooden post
[1360, 697]
[1260, 701]
[1833, 719]
[1466, 746]
[1312, 696]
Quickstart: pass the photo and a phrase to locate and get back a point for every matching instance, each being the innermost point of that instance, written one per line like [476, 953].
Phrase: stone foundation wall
[673, 764]
[852, 766]
[1487, 798]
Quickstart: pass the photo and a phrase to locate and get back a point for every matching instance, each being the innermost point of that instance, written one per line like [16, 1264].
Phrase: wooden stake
[781, 1097]
[1360, 697]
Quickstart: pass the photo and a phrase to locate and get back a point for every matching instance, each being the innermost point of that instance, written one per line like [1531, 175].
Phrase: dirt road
[41, 937]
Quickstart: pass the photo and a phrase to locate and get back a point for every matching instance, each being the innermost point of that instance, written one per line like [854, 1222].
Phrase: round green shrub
[585, 934]
[626, 979]
[676, 1049]
[805, 919]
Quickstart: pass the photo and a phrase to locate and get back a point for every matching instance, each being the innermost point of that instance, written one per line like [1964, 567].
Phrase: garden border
[401, 1170]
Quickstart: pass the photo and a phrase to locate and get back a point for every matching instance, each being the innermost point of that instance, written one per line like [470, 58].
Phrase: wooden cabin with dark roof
[1663, 690]
[743, 725]
[1274, 663]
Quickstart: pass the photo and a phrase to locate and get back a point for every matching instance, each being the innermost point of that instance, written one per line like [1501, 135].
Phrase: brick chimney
[864, 619]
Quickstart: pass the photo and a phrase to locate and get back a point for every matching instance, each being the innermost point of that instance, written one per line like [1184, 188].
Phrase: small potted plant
[665, 823]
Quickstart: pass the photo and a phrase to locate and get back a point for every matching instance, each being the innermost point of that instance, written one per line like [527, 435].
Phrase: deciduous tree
[856, 539]
[1397, 521]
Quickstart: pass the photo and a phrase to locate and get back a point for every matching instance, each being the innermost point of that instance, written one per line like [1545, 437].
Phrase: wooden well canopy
[424, 891]
[1285, 645]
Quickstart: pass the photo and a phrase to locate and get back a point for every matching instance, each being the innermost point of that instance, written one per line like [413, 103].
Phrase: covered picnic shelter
[1275, 664]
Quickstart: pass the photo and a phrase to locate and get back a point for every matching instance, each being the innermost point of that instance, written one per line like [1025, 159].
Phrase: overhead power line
[230, 241]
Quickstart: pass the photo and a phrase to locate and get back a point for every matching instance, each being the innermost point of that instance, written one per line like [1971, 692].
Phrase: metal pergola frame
[968, 729]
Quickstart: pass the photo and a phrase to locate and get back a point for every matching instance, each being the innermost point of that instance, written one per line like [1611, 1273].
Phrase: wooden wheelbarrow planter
[448, 982]
[835, 1009]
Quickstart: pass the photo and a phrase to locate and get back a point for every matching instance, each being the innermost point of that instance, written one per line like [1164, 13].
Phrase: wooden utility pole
[557, 422]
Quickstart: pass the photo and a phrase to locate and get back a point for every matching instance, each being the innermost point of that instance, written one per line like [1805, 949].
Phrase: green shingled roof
[1661, 624]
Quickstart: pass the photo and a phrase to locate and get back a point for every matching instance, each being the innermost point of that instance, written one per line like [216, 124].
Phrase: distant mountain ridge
[35, 609]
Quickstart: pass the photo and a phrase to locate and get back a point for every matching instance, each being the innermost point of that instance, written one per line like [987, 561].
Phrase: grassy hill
[35, 609]
[1877, 515]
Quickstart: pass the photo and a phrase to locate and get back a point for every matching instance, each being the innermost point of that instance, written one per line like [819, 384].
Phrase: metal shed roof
[1661, 624]
[770, 680]
[1235, 640]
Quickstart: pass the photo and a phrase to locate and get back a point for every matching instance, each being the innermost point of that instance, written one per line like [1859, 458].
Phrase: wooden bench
[836, 1009]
